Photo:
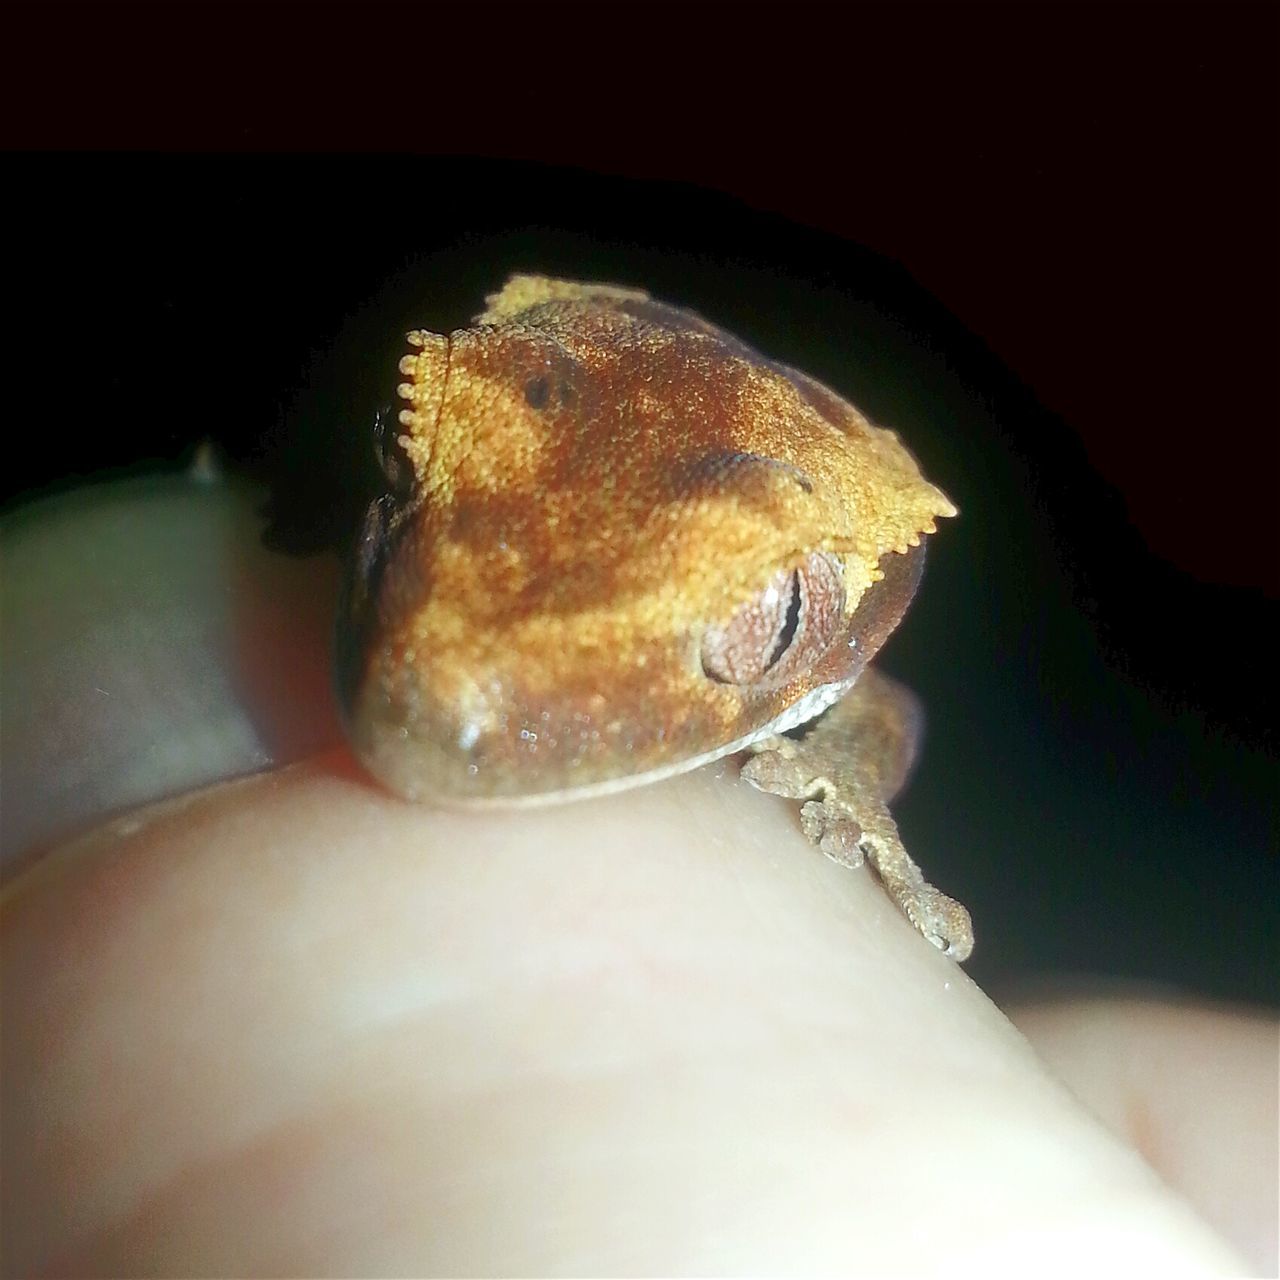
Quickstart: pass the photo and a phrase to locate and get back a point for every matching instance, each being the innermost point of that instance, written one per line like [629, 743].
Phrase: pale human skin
[291, 1025]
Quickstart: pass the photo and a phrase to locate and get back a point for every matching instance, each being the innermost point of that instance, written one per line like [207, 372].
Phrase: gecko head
[615, 542]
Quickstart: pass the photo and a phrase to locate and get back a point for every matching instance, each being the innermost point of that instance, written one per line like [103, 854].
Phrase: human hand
[288, 1024]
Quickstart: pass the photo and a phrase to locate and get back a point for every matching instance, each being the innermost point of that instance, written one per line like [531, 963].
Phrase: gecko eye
[783, 630]
[390, 453]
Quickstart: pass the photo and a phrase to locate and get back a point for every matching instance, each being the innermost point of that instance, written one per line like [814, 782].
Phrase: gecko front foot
[834, 831]
[943, 920]
[838, 831]
[845, 768]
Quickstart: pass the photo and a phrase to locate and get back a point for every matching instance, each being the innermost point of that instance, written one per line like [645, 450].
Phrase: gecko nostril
[537, 392]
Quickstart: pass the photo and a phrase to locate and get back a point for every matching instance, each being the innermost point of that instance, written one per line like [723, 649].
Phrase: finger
[294, 1025]
[151, 645]
[1195, 1089]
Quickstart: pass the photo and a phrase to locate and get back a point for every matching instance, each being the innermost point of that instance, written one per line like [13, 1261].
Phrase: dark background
[1037, 239]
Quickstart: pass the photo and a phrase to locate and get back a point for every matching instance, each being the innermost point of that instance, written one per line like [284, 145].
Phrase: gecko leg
[847, 767]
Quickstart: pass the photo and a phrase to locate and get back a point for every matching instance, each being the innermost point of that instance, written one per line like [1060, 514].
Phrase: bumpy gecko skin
[618, 543]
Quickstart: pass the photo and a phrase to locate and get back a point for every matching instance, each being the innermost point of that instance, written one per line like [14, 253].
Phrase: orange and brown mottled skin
[597, 479]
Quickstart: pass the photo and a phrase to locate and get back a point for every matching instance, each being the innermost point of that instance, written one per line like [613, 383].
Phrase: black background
[1037, 239]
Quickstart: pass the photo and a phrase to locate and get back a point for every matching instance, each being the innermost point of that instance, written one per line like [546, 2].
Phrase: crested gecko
[617, 543]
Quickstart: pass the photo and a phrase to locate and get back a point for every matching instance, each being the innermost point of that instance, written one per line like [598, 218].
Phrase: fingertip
[151, 645]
